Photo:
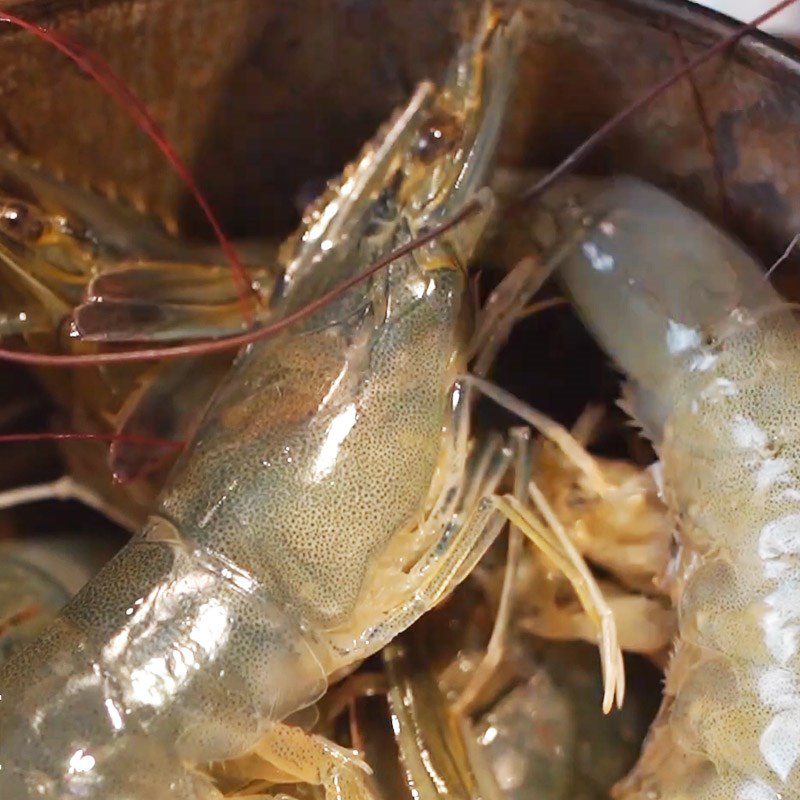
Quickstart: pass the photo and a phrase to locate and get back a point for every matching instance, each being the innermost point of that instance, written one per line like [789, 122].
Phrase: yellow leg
[287, 754]
[491, 662]
[547, 427]
[546, 532]
[505, 306]
[625, 528]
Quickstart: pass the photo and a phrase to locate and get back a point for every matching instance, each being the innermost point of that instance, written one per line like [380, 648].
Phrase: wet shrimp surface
[536, 727]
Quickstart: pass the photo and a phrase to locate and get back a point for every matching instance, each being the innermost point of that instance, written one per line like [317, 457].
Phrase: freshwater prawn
[326, 502]
[55, 245]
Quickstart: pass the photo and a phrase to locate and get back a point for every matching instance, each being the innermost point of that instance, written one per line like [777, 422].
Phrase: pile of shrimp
[339, 584]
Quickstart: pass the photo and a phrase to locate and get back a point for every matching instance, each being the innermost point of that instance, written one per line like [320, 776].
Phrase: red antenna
[104, 75]
[240, 340]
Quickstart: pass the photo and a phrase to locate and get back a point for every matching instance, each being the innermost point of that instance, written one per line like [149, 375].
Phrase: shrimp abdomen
[719, 352]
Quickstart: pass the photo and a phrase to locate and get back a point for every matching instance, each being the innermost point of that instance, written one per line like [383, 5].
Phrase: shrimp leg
[434, 744]
[287, 754]
[458, 550]
[65, 488]
[635, 517]
[495, 650]
[549, 536]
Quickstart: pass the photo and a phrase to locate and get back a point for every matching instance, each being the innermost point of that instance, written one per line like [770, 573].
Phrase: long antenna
[48, 436]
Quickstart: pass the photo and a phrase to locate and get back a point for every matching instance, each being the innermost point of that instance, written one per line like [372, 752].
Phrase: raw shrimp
[69, 255]
[56, 244]
[326, 502]
[78, 268]
[712, 355]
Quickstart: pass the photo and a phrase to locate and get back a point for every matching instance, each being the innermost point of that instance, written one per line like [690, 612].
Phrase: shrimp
[711, 353]
[78, 269]
[68, 254]
[57, 243]
[326, 502]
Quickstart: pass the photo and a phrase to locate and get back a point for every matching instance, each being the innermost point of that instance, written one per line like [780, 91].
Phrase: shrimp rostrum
[330, 497]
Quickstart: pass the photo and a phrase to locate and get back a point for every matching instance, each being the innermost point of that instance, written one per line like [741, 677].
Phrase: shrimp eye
[437, 136]
[21, 221]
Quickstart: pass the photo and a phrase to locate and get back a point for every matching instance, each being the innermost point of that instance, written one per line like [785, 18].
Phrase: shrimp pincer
[327, 501]
[712, 355]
